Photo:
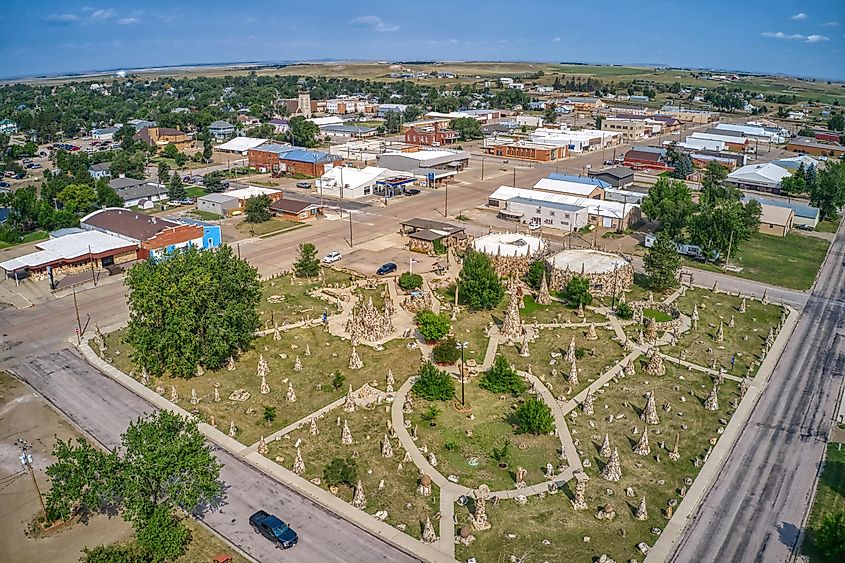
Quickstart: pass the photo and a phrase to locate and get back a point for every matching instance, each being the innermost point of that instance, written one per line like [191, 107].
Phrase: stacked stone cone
[742, 306]
[313, 430]
[630, 368]
[428, 535]
[297, 365]
[265, 389]
[613, 470]
[359, 501]
[479, 518]
[543, 297]
[711, 403]
[587, 406]
[512, 324]
[349, 404]
[263, 368]
[649, 415]
[720, 332]
[368, 323]
[355, 360]
[570, 352]
[262, 446]
[605, 450]
[579, 502]
[233, 430]
[231, 364]
[655, 364]
[642, 511]
[573, 374]
[346, 435]
[642, 447]
[651, 332]
[591, 332]
[194, 399]
[674, 455]
[386, 447]
[291, 395]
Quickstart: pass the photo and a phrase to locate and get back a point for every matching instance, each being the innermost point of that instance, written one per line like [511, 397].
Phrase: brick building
[163, 136]
[523, 150]
[154, 236]
[432, 136]
[292, 160]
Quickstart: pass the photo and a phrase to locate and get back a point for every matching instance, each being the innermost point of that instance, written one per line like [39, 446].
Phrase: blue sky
[795, 37]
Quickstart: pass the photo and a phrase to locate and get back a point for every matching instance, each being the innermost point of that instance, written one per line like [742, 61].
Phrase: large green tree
[162, 465]
[192, 308]
[502, 378]
[577, 291]
[257, 209]
[434, 384]
[432, 326]
[724, 224]
[175, 187]
[78, 198]
[307, 265]
[669, 202]
[163, 173]
[828, 190]
[830, 536]
[478, 283]
[662, 262]
[468, 127]
[713, 187]
[302, 133]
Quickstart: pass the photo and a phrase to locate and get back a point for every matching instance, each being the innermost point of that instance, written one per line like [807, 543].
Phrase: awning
[513, 214]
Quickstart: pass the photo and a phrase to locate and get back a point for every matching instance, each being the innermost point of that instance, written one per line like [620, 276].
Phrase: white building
[509, 244]
[240, 145]
[575, 141]
[324, 121]
[354, 183]
[529, 120]
[761, 177]
[774, 135]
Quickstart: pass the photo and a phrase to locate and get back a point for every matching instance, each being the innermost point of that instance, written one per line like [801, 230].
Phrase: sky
[803, 38]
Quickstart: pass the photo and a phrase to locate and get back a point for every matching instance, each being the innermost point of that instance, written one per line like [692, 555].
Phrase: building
[579, 179]
[624, 196]
[211, 236]
[794, 163]
[562, 216]
[101, 170]
[510, 253]
[132, 191]
[155, 237]
[349, 131]
[296, 210]
[769, 134]
[384, 109]
[731, 142]
[651, 158]
[759, 177]
[584, 103]
[321, 122]
[524, 150]
[811, 146]
[8, 127]
[775, 220]
[433, 136]
[617, 177]
[139, 124]
[292, 160]
[582, 140]
[609, 274]
[630, 129]
[567, 187]
[695, 117]
[526, 120]
[354, 183]
[218, 204]
[104, 133]
[366, 150]
[240, 145]
[303, 104]
[280, 125]
[433, 159]
[221, 129]
[162, 136]
[804, 213]
[71, 254]
[425, 235]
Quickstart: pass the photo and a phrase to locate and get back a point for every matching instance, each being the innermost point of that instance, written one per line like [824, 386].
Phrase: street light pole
[461, 346]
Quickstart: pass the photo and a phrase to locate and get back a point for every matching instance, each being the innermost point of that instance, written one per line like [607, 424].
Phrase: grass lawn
[195, 191]
[368, 427]
[267, 227]
[34, 236]
[470, 327]
[554, 312]
[553, 519]
[713, 307]
[205, 215]
[829, 226]
[596, 356]
[377, 294]
[490, 429]
[658, 316]
[830, 497]
[791, 261]
[297, 303]
[312, 385]
[205, 545]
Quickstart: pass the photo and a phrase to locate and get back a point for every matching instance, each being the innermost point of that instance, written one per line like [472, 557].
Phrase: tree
[624, 311]
[170, 150]
[192, 308]
[434, 384]
[257, 209]
[805, 132]
[534, 275]
[162, 464]
[175, 188]
[213, 182]
[830, 536]
[828, 191]
[412, 113]
[106, 196]
[180, 158]
[409, 281]
[116, 553]
[726, 223]
[307, 265]
[478, 283]
[669, 202]
[836, 122]
[78, 198]
[431, 325]
[662, 262]
[269, 414]
[341, 471]
[302, 133]
[468, 127]
[207, 148]
[502, 378]
[682, 165]
[577, 292]
[393, 122]
[124, 136]
[713, 187]
[446, 351]
[163, 173]
[534, 417]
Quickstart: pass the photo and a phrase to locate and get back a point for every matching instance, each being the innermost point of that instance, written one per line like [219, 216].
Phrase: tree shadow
[788, 534]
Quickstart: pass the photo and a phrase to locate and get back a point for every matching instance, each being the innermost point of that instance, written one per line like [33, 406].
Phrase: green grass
[829, 499]
[791, 261]
[267, 227]
[829, 226]
[658, 316]
[553, 519]
[297, 303]
[206, 215]
[195, 191]
[34, 236]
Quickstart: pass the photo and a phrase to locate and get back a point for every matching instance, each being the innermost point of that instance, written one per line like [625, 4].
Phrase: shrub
[534, 417]
[338, 379]
[446, 351]
[502, 378]
[501, 455]
[117, 553]
[534, 275]
[409, 281]
[434, 384]
[580, 352]
[830, 536]
[307, 265]
[577, 291]
[162, 536]
[430, 414]
[269, 414]
[478, 284]
[433, 326]
[341, 470]
[624, 311]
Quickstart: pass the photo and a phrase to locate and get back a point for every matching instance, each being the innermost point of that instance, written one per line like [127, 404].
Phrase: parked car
[20, 176]
[332, 257]
[804, 227]
[305, 185]
[198, 180]
[274, 529]
[412, 191]
[35, 166]
[387, 268]
[5, 185]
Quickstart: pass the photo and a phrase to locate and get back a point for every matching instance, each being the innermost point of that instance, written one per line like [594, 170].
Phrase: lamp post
[462, 346]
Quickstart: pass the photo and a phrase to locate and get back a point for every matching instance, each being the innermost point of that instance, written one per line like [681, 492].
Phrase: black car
[804, 227]
[412, 191]
[385, 269]
[272, 528]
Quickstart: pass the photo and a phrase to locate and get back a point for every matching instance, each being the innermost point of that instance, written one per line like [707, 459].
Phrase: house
[524, 150]
[384, 109]
[218, 204]
[349, 131]
[139, 124]
[617, 177]
[811, 146]
[8, 127]
[805, 214]
[731, 142]
[567, 187]
[104, 133]
[155, 237]
[296, 210]
[426, 235]
[280, 125]
[354, 183]
[221, 129]
[71, 254]
[434, 136]
[132, 191]
[162, 136]
[240, 145]
[432, 159]
[759, 177]
[643, 157]
[775, 220]
[211, 237]
[101, 170]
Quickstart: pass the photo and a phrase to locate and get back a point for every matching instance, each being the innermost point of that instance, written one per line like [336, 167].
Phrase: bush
[446, 352]
[478, 283]
[162, 536]
[341, 470]
[577, 291]
[409, 281]
[433, 326]
[534, 275]
[534, 417]
[338, 380]
[830, 536]
[434, 384]
[502, 378]
[430, 414]
[624, 311]
[117, 553]
[501, 455]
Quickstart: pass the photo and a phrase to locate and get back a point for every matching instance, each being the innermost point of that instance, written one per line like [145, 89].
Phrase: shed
[775, 220]
[218, 204]
[617, 177]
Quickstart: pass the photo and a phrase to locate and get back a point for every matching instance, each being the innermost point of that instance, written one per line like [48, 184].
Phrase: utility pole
[462, 346]
[730, 243]
[351, 244]
[93, 277]
[26, 461]
[514, 176]
[78, 321]
[446, 202]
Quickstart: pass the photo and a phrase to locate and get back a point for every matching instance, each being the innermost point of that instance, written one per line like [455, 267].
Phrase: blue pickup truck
[272, 528]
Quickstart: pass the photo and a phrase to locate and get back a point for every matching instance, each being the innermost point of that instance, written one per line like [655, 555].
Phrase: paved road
[103, 409]
[756, 508]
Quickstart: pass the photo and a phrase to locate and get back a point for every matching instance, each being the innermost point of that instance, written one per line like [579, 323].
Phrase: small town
[377, 297]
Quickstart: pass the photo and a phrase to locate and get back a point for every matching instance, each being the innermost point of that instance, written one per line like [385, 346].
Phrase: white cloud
[128, 21]
[799, 16]
[373, 23]
[830, 24]
[817, 38]
[556, 39]
[62, 19]
[102, 14]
